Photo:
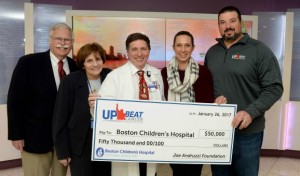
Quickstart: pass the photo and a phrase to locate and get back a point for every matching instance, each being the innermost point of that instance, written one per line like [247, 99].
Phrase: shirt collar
[243, 40]
[54, 59]
[134, 69]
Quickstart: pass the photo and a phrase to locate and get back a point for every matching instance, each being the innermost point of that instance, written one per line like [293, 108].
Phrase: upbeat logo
[238, 56]
[121, 115]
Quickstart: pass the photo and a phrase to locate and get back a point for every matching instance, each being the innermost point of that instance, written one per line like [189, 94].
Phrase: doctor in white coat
[123, 83]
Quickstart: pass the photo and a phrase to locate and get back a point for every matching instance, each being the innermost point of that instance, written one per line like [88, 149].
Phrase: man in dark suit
[31, 100]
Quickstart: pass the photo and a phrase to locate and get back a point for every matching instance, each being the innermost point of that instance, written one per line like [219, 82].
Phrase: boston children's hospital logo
[121, 115]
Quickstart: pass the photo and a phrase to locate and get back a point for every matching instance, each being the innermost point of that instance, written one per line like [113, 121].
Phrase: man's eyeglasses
[59, 39]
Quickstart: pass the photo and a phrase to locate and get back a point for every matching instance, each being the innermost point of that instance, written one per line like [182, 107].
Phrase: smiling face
[230, 26]
[138, 53]
[183, 48]
[61, 42]
[93, 65]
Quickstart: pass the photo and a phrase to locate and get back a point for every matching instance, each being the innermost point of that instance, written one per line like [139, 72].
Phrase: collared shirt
[54, 63]
[123, 83]
[136, 78]
[251, 69]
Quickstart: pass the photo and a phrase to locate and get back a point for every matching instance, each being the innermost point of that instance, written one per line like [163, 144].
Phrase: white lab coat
[122, 83]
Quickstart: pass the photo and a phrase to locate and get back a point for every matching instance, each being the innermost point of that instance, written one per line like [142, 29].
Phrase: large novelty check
[162, 132]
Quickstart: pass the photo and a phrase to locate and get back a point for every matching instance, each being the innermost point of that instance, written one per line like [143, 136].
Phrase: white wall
[7, 151]
[272, 133]
[292, 139]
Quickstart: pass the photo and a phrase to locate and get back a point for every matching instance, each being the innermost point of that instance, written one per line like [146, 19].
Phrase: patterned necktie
[143, 89]
[61, 71]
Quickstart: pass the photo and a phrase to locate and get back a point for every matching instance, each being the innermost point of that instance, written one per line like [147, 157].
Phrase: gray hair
[59, 25]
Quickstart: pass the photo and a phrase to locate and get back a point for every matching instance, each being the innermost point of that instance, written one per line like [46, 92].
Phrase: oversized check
[162, 132]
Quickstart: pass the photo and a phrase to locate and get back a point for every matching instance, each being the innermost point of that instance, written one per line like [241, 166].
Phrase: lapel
[72, 65]
[82, 86]
[47, 69]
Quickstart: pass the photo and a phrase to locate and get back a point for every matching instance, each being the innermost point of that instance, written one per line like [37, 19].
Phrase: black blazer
[72, 118]
[31, 100]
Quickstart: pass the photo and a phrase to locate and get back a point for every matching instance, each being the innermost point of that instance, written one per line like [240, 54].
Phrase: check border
[95, 151]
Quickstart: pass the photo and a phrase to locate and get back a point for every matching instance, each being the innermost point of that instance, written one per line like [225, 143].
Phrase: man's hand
[242, 119]
[19, 144]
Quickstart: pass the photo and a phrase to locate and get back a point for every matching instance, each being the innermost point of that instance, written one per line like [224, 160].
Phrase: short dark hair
[137, 36]
[86, 50]
[184, 33]
[230, 9]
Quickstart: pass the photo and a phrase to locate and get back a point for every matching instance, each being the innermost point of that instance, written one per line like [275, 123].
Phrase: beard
[233, 37]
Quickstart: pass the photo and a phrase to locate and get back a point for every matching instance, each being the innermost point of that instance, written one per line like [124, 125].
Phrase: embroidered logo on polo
[237, 56]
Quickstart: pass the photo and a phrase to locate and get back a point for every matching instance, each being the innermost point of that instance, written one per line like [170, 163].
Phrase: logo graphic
[120, 115]
[238, 56]
[100, 152]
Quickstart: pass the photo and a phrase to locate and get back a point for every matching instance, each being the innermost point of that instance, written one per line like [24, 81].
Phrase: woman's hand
[65, 162]
[92, 97]
[221, 100]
